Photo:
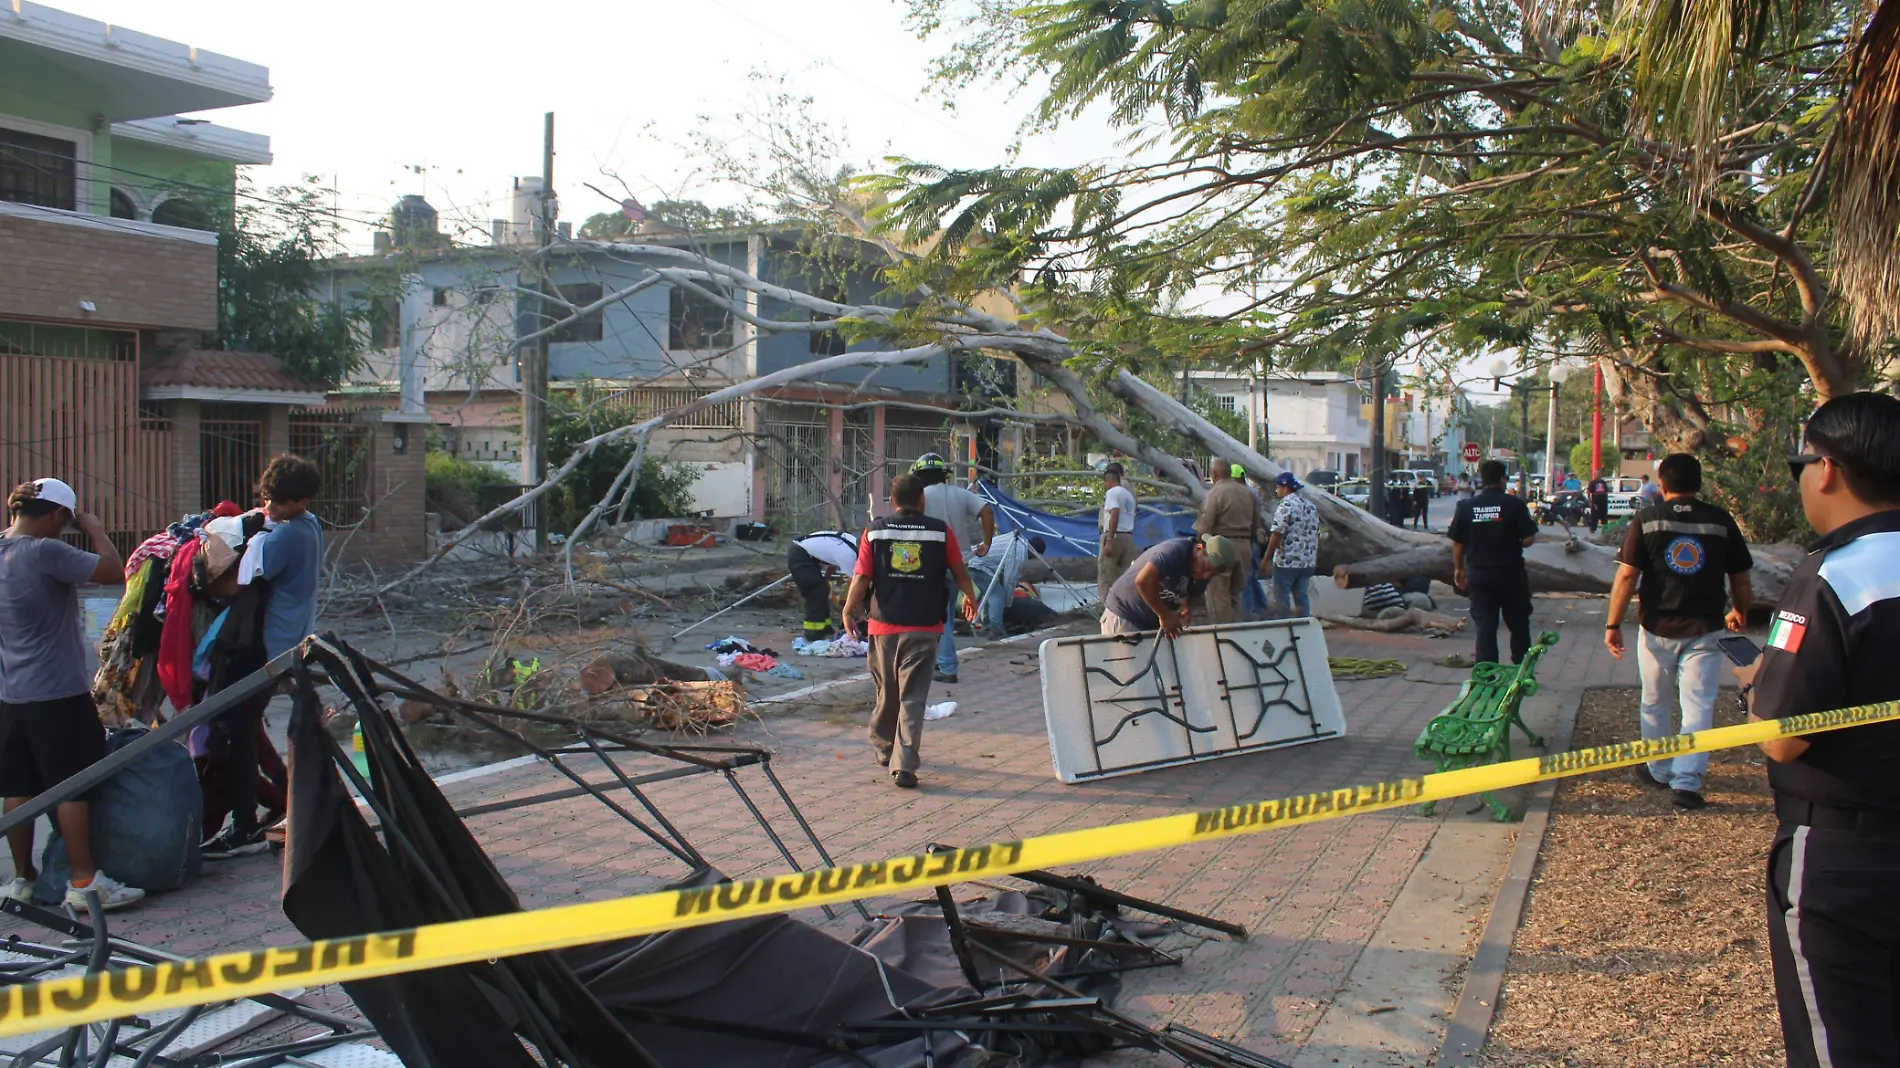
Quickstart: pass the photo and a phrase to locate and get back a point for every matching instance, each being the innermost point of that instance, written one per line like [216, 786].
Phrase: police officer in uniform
[1489, 533]
[1834, 869]
[907, 564]
[812, 560]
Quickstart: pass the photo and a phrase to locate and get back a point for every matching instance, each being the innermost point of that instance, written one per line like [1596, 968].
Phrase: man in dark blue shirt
[1489, 532]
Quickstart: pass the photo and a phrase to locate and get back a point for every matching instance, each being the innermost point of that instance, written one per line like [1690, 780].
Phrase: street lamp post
[1523, 392]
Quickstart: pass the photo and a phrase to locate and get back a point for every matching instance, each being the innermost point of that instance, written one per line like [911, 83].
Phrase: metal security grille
[230, 457]
[796, 440]
[645, 403]
[859, 458]
[342, 450]
[904, 443]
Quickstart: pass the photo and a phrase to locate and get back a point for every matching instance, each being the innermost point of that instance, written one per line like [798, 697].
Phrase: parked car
[1354, 491]
[1626, 495]
[1321, 476]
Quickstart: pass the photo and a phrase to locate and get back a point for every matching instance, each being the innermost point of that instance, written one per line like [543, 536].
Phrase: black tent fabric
[772, 974]
[775, 976]
[339, 880]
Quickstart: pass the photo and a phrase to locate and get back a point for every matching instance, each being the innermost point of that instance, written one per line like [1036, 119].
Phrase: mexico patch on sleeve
[1787, 632]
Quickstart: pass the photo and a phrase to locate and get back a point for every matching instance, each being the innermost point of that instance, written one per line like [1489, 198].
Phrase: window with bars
[39, 170]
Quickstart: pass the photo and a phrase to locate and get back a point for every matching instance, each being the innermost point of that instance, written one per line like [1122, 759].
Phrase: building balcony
[76, 268]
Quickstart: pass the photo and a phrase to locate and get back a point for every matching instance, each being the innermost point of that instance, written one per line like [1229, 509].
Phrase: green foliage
[269, 264]
[1608, 459]
[661, 490]
[454, 485]
[691, 216]
[1404, 179]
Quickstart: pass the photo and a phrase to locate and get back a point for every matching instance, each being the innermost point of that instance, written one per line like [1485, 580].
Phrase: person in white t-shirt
[973, 521]
[1118, 531]
[812, 560]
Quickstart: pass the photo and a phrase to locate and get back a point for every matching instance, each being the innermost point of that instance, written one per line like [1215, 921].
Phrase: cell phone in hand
[1738, 649]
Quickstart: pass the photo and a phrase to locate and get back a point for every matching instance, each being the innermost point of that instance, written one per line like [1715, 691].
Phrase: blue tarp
[1077, 536]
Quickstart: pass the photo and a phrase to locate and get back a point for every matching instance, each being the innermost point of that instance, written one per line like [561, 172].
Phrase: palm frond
[1866, 196]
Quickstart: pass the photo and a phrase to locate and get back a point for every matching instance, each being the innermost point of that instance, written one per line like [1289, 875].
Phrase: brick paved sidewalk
[1312, 897]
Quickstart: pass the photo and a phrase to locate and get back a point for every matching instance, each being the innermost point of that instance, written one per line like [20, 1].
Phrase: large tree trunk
[1554, 568]
[1347, 533]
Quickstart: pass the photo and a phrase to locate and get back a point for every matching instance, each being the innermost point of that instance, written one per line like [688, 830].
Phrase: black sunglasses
[1800, 461]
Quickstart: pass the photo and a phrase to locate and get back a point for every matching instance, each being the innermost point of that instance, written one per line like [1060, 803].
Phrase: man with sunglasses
[1834, 869]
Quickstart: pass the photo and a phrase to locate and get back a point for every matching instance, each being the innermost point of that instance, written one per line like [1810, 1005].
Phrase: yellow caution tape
[61, 1003]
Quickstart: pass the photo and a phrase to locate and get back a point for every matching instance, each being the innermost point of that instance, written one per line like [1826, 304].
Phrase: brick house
[109, 288]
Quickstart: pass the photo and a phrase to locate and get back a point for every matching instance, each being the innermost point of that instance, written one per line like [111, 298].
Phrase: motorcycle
[1569, 507]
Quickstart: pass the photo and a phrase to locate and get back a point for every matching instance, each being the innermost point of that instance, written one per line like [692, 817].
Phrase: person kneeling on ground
[1153, 594]
[49, 726]
[906, 565]
[996, 575]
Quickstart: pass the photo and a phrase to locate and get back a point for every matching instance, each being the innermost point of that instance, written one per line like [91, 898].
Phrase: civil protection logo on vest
[907, 555]
[1685, 556]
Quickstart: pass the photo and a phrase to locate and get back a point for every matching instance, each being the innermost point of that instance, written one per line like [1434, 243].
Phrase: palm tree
[1688, 58]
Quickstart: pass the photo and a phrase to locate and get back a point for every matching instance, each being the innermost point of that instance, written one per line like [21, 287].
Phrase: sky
[393, 97]
[383, 98]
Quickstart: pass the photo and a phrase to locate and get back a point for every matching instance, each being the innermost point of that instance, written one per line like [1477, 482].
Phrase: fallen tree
[1570, 566]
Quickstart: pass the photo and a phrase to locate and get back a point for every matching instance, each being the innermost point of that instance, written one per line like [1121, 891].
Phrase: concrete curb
[1484, 980]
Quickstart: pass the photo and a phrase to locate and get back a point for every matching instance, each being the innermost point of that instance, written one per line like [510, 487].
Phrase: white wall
[724, 489]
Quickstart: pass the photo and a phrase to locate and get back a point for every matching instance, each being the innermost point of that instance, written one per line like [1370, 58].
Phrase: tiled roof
[251, 371]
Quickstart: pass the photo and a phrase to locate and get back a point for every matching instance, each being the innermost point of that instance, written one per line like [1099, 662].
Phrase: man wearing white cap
[49, 726]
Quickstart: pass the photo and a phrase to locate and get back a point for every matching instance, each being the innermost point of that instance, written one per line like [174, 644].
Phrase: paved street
[1312, 897]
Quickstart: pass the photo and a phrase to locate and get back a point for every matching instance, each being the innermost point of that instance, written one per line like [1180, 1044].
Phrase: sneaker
[18, 889]
[942, 677]
[113, 894]
[905, 780]
[228, 843]
[272, 817]
[1643, 776]
[1688, 799]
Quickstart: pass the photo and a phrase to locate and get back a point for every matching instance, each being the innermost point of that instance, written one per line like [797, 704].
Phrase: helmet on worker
[931, 469]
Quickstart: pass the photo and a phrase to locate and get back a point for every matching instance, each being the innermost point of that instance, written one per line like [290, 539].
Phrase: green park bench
[1476, 727]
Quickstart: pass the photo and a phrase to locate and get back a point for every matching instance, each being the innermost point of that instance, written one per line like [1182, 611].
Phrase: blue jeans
[996, 599]
[1290, 599]
[1253, 603]
[947, 644]
[1693, 668]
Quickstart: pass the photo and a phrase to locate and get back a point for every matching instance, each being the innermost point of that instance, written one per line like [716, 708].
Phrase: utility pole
[534, 382]
[1596, 424]
[1376, 486]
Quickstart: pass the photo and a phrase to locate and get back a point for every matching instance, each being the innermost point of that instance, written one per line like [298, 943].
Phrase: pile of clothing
[736, 652]
[189, 624]
[843, 646]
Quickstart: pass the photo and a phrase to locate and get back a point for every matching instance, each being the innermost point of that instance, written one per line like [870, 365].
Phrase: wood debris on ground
[1644, 938]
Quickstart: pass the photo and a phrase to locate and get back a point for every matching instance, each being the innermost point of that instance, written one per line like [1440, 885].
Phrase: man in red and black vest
[903, 564]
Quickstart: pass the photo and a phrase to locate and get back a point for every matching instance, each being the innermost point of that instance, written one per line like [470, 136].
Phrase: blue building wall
[635, 331]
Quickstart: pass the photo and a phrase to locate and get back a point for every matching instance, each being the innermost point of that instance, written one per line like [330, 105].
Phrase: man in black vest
[1684, 549]
[1834, 869]
[1599, 502]
[1489, 532]
[904, 564]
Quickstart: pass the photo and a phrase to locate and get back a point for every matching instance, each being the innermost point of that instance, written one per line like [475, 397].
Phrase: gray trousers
[901, 665]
